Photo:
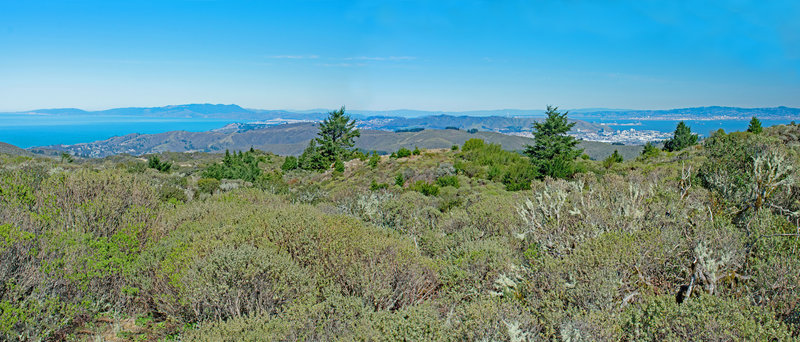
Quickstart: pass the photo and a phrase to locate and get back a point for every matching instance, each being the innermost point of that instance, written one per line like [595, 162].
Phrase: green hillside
[429, 245]
[291, 139]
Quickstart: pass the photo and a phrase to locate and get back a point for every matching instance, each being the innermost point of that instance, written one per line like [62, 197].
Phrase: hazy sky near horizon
[430, 55]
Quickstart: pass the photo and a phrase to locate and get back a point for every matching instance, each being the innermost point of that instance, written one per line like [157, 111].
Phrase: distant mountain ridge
[501, 124]
[232, 111]
[697, 113]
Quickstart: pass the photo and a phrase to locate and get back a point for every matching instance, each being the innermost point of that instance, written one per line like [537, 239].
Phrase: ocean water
[41, 130]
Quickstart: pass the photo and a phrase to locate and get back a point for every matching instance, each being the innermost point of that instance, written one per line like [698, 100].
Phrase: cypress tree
[553, 151]
[337, 134]
[682, 138]
[755, 126]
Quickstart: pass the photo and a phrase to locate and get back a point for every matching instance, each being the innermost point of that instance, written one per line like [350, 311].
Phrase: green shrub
[312, 159]
[748, 170]
[241, 165]
[425, 188]
[399, 180]
[473, 144]
[518, 176]
[416, 151]
[419, 323]
[703, 318]
[448, 181]
[155, 163]
[208, 185]
[290, 163]
[232, 281]
[650, 151]
[338, 166]
[374, 159]
[331, 319]
[614, 158]
[375, 186]
[403, 152]
[342, 253]
[359, 155]
[170, 193]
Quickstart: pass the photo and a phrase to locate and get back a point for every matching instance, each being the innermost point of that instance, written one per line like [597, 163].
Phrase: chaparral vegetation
[698, 241]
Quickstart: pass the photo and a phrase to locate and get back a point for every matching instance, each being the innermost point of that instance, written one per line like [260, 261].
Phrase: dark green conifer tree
[755, 126]
[337, 134]
[682, 138]
[335, 140]
[553, 152]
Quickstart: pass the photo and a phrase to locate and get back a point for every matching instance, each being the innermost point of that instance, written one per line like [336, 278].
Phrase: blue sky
[431, 55]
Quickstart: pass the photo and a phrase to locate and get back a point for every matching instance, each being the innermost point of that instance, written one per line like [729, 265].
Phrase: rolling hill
[13, 150]
[291, 139]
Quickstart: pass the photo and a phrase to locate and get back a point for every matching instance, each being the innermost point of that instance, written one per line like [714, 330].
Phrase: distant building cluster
[625, 137]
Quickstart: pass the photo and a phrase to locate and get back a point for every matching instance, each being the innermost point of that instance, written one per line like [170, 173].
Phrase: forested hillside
[468, 242]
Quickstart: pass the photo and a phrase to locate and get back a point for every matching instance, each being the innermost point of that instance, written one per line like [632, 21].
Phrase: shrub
[290, 163]
[358, 154]
[649, 151]
[454, 148]
[419, 323]
[374, 186]
[702, 318]
[84, 234]
[155, 163]
[416, 151]
[208, 185]
[448, 181]
[338, 166]
[425, 188]
[312, 159]
[307, 320]
[170, 193]
[748, 170]
[614, 158]
[403, 152]
[399, 180]
[241, 165]
[374, 159]
[232, 281]
[518, 176]
[289, 243]
[473, 144]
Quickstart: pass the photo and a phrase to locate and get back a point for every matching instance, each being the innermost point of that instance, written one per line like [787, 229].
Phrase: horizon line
[314, 110]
